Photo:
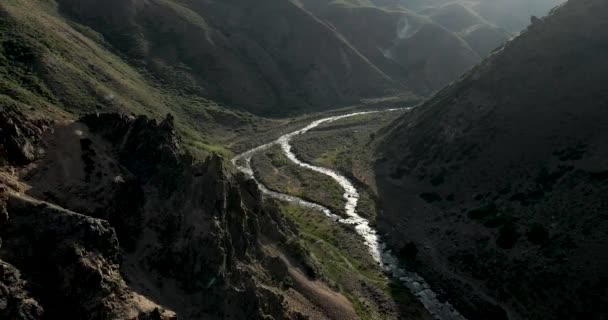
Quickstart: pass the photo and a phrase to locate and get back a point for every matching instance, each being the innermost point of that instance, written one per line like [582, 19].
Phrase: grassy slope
[58, 68]
[345, 146]
[278, 173]
[337, 248]
[346, 262]
[270, 58]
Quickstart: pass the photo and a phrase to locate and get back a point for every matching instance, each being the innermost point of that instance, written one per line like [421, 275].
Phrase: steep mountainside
[424, 46]
[58, 69]
[193, 57]
[510, 15]
[500, 179]
[480, 34]
[198, 59]
[269, 58]
[409, 48]
[109, 218]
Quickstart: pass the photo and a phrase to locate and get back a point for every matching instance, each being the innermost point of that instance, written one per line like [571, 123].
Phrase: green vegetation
[54, 67]
[345, 261]
[571, 153]
[598, 176]
[483, 213]
[537, 234]
[507, 236]
[280, 174]
[346, 146]
[546, 179]
[342, 145]
[438, 179]
[430, 197]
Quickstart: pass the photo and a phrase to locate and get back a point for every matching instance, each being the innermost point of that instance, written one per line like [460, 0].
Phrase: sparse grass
[280, 174]
[342, 145]
[346, 262]
[59, 68]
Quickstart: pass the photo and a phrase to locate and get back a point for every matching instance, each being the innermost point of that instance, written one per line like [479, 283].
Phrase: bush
[598, 176]
[537, 234]
[482, 213]
[286, 283]
[507, 236]
[430, 197]
[495, 221]
[438, 180]
[408, 252]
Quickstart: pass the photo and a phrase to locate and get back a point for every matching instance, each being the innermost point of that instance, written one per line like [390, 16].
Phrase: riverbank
[363, 227]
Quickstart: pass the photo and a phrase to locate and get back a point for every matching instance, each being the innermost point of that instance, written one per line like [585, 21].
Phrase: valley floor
[345, 146]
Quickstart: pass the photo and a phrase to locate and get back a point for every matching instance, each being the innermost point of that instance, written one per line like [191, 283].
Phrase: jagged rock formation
[71, 262]
[18, 137]
[15, 300]
[499, 180]
[119, 222]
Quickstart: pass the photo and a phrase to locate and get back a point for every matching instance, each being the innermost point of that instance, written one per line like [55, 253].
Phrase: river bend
[415, 283]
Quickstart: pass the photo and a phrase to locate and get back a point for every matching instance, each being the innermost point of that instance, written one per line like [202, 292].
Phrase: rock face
[499, 180]
[16, 301]
[18, 137]
[71, 261]
[156, 234]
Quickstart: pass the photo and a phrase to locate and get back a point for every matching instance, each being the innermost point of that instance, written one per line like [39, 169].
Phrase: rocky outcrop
[19, 136]
[203, 224]
[71, 262]
[119, 222]
[16, 301]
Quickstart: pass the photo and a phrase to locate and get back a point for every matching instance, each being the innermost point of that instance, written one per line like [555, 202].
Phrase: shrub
[430, 197]
[495, 221]
[438, 180]
[484, 212]
[598, 176]
[507, 236]
[408, 251]
[537, 234]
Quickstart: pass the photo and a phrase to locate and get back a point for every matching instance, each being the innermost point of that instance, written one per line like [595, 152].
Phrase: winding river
[415, 283]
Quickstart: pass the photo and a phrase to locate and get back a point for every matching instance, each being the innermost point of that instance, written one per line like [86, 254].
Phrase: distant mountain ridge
[275, 58]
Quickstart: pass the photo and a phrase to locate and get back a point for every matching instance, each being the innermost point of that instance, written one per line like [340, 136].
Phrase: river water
[415, 283]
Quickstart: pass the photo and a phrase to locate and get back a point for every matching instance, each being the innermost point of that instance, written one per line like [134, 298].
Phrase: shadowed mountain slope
[269, 58]
[409, 48]
[500, 179]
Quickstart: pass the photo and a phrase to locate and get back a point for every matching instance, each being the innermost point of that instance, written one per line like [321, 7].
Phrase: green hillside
[55, 67]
